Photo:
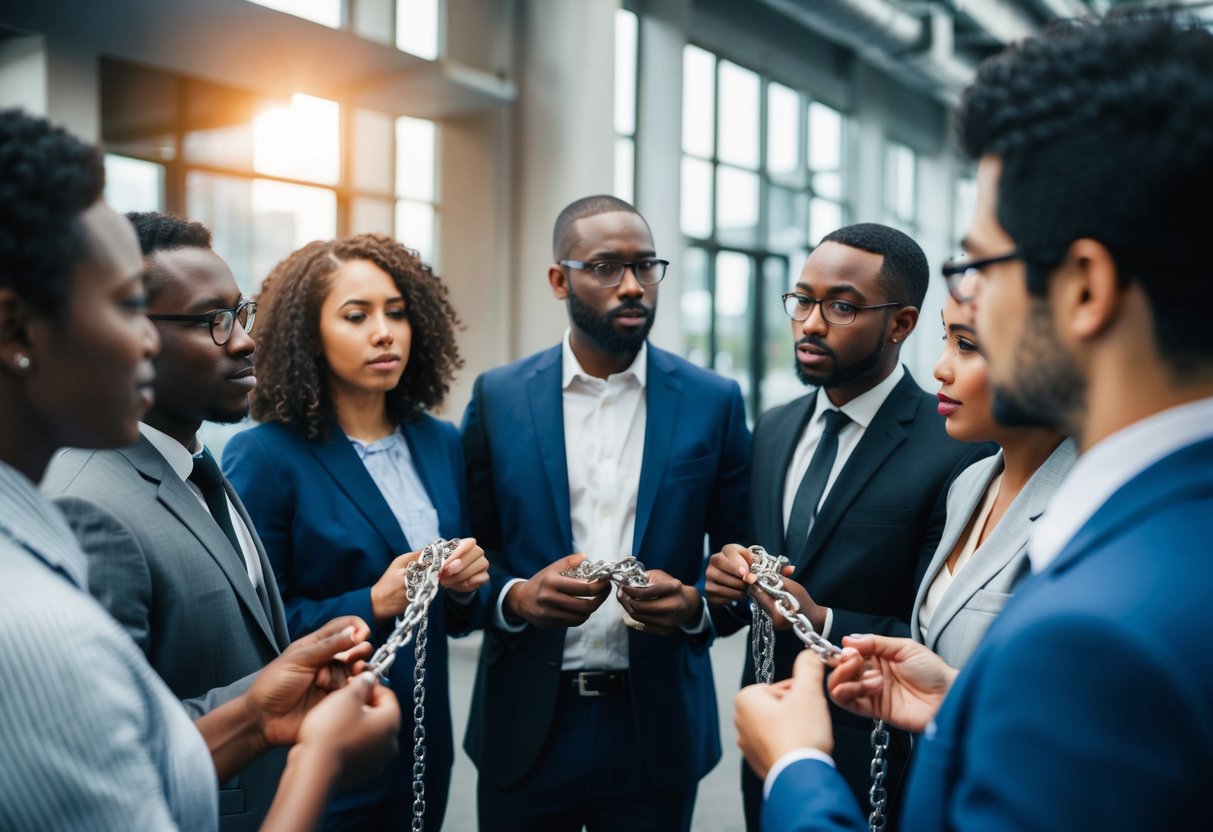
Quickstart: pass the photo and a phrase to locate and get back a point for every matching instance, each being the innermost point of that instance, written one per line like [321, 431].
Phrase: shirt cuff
[499, 613]
[793, 756]
[702, 625]
[828, 624]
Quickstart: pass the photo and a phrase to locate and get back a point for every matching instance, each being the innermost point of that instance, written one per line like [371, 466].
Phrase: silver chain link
[766, 569]
[421, 587]
[629, 572]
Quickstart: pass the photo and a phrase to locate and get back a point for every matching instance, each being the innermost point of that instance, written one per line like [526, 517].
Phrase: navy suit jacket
[329, 534]
[694, 479]
[1089, 704]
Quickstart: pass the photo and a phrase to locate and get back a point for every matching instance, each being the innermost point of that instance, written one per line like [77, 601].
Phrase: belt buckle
[582, 690]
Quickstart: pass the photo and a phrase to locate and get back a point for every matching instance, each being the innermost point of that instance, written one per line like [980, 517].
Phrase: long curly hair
[292, 373]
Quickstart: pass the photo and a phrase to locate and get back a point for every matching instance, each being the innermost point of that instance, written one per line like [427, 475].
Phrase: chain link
[768, 577]
[629, 572]
[421, 587]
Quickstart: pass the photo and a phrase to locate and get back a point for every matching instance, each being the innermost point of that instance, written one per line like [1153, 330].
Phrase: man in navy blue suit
[1090, 703]
[596, 707]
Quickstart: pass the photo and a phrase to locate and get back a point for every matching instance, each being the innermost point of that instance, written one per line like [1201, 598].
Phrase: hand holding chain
[765, 574]
[626, 572]
[421, 586]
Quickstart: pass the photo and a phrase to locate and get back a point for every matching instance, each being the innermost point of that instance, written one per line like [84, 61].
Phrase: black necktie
[808, 495]
[210, 482]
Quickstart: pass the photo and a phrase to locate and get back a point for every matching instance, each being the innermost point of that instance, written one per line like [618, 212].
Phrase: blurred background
[743, 130]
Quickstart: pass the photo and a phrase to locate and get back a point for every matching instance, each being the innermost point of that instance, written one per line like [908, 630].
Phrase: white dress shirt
[1109, 465]
[861, 410]
[181, 460]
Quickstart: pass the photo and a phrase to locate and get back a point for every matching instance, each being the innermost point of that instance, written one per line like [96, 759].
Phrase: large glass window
[762, 182]
[411, 25]
[901, 187]
[267, 176]
[627, 57]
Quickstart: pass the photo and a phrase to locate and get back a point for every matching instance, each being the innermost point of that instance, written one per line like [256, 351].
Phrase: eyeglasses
[609, 273]
[222, 321]
[836, 312]
[958, 272]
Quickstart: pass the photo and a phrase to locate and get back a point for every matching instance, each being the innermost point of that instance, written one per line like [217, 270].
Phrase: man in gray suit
[172, 554]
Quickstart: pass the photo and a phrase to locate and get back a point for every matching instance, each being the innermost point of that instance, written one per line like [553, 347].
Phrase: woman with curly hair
[348, 476]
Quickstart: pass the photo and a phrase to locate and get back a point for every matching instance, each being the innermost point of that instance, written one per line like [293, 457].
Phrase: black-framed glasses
[609, 273]
[222, 321]
[963, 275]
[836, 312]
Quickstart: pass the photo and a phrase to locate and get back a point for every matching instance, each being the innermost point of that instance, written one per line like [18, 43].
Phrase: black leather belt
[594, 682]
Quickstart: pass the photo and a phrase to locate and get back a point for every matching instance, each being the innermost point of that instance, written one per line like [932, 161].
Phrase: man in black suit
[847, 479]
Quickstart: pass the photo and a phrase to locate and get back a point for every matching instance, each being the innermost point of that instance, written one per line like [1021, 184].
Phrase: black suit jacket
[872, 538]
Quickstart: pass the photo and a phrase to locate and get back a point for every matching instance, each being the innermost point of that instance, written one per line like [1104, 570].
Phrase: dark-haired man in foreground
[847, 479]
[607, 447]
[172, 554]
[1089, 704]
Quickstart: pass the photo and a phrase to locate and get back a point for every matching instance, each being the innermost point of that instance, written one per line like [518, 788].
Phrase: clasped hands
[894, 679]
[550, 599]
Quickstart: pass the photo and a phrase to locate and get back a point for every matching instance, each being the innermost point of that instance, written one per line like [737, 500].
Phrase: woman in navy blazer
[348, 476]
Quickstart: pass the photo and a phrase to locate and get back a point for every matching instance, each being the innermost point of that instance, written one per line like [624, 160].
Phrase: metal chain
[421, 587]
[878, 795]
[765, 568]
[628, 571]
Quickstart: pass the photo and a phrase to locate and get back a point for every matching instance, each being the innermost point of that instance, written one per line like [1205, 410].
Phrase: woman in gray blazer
[991, 506]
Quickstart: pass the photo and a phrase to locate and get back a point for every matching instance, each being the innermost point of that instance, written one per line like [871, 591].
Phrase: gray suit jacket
[985, 584]
[164, 569]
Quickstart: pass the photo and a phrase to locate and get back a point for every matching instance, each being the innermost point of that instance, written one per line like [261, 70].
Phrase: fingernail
[348, 632]
[367, 677]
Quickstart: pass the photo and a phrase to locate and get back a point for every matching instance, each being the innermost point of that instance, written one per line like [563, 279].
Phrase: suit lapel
[430, 466]
[662, 391]
[350, 475]
[960, 508]
[547, 417]
[882, 436]
[176, 497]
[270, 599]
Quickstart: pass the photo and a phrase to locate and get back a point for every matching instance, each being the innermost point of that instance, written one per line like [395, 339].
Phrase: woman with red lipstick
[349, 477]
[991, 505]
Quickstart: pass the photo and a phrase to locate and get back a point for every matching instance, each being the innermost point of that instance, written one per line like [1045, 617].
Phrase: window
[412, 26]
[762, 182]
[627, 43]
[900, 187]
[267, 176]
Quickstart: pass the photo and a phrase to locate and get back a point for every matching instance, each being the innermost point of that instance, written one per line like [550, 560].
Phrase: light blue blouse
[390, 464]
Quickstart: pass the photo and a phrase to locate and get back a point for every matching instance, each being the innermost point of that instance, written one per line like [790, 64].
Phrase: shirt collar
[178, 457]
[387, 444]
[862, 409]
[572, 370]
[36, 524]
[1106, 467]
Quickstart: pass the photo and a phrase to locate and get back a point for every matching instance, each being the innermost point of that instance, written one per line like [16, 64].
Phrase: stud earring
[22, 361]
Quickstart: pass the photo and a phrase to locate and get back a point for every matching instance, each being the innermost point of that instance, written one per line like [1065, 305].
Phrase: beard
[601, 329]
[1047, 390]
[841, 374]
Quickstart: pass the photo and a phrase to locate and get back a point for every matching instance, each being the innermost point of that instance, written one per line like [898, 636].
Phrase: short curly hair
[1105, 131]
[292, 379]
[904, 272]
[48, 178]
[165, 232]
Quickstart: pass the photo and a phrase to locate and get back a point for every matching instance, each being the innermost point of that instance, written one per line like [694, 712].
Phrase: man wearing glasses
[172, 554]
[597, 707]
[847, 479]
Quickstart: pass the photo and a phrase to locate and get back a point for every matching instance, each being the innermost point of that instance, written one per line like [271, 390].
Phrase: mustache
[813, 340]
[631, 307]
